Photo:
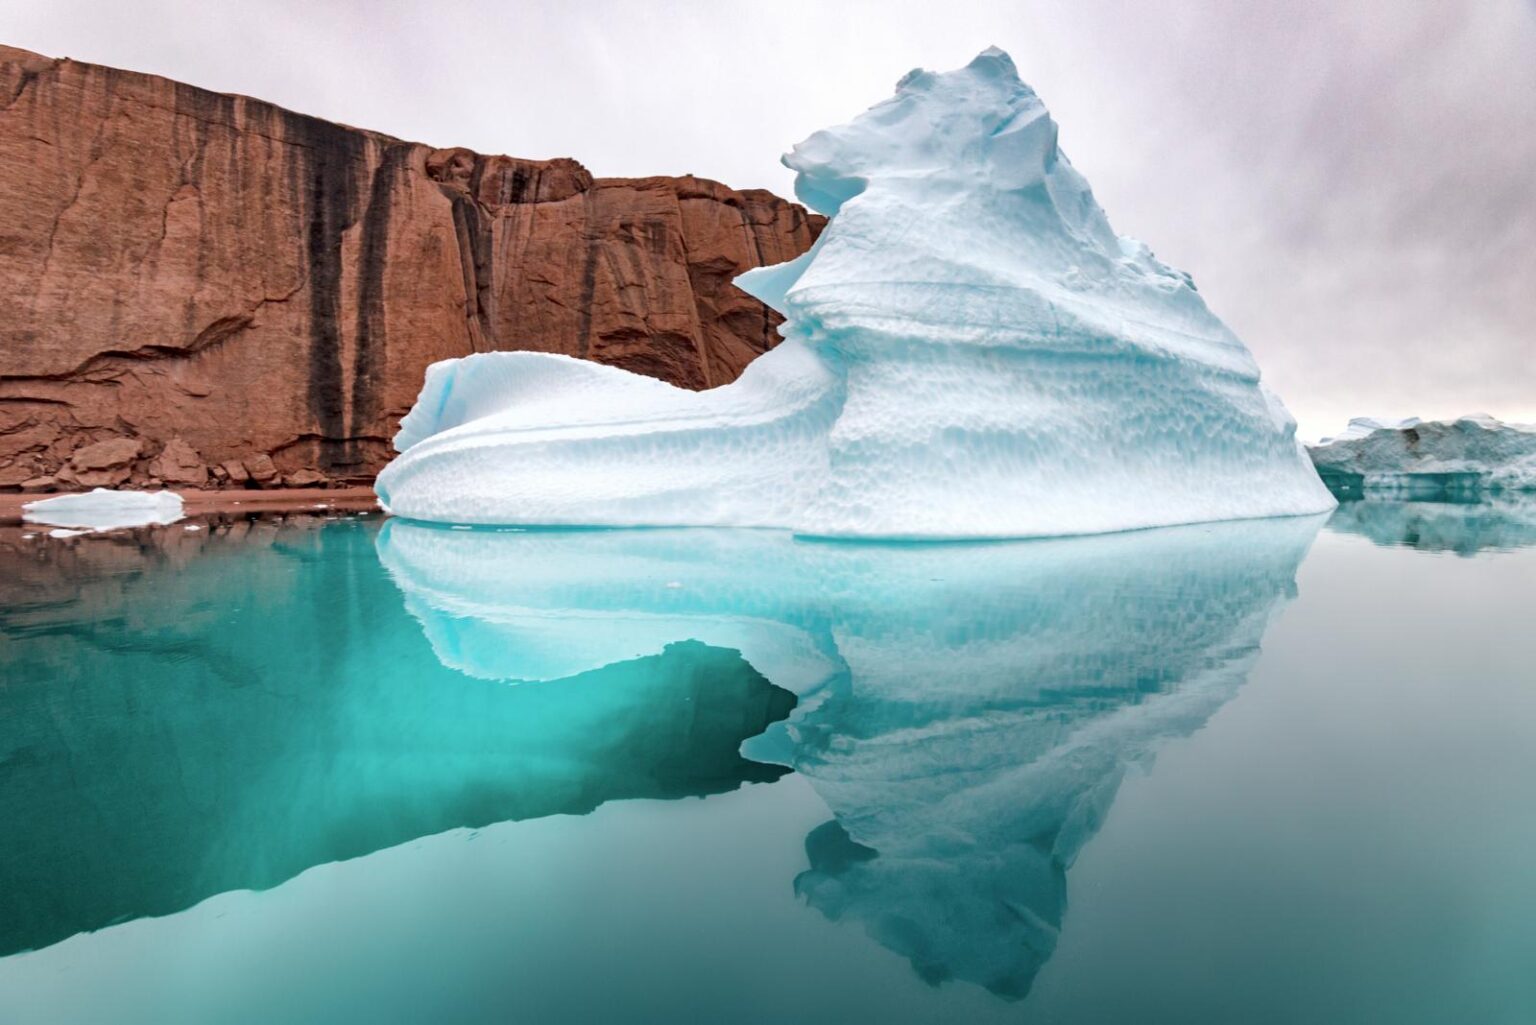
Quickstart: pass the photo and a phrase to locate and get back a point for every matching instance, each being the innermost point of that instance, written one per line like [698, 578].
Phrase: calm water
[353, 771]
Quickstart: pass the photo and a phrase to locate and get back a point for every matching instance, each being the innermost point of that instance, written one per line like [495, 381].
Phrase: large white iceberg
[105, 509]
[1471, 455]
[970, 351]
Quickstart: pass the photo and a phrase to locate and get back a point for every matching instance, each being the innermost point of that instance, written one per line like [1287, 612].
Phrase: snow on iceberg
[1469, 456]
[969, 351]
[105, 509]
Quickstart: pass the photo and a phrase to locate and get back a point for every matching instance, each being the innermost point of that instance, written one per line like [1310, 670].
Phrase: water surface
[347, 770]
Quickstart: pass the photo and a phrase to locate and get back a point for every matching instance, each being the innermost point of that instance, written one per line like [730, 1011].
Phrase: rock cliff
[199, 288]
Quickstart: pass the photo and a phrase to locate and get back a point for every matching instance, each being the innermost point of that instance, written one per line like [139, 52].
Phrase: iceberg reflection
[1501, 524]
[966, 711]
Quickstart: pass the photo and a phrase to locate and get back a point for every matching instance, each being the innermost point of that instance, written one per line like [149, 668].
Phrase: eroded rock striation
[199, 288]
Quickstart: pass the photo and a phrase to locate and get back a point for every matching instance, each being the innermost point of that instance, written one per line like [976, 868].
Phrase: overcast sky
[1352, 183]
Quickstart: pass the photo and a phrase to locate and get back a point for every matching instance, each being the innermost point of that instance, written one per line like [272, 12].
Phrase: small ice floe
[105, 509]
[65, 532]
[189, 528]
[673, 585]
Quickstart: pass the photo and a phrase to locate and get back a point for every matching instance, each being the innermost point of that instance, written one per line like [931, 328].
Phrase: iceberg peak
[961, 127]
[960, 177]
[969, 351]
[975, 127]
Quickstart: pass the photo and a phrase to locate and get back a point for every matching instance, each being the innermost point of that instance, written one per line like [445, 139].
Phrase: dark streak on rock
[330, 156]
[518, 189]
[370, 358]
[474, 238]
[25, 79]
[588, 280]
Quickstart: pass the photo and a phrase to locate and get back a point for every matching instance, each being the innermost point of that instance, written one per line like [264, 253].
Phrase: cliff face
[200, 288]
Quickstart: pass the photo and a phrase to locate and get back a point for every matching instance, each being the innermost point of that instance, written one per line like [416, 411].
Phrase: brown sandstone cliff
[200, 288]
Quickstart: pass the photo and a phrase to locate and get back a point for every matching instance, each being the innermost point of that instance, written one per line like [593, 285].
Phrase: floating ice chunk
[1471, 455]
[970, 351]
[105, 509]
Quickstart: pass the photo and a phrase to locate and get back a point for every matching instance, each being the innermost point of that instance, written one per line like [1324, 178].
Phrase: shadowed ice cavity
[1503, 523]
[183, 714]
[966, 711]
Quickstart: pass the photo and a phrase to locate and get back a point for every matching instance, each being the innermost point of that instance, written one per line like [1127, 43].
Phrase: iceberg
[1463, 458]
[969, 351]
[105, 509]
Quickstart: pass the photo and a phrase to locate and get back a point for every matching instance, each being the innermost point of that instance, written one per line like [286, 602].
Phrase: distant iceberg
[105, 509]
[970, 351]
[1463, 458]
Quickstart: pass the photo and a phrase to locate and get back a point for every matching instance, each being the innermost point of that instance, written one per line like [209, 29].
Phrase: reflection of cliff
[967, 711]
[174, 728]
[1463, 527]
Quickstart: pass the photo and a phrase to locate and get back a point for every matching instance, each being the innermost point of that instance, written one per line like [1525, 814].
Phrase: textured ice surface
[966, 711]
[105, 509]
[970, 351]
[1473, 454]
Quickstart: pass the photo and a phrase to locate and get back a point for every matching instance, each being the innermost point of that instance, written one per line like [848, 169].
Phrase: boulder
[179, 463]
[103, 464]
[260, 468]
[13, 473]
[106, 455]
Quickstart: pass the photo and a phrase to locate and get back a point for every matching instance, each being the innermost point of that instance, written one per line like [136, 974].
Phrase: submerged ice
[969, 351]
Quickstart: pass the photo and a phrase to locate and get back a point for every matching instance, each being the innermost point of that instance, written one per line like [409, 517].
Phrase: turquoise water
[345, 770]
